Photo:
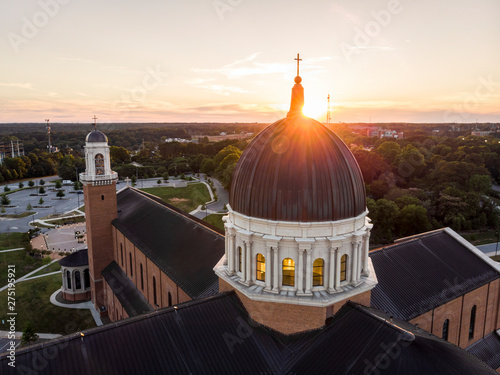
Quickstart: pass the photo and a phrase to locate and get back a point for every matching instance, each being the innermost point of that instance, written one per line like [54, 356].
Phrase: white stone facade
[303, 243]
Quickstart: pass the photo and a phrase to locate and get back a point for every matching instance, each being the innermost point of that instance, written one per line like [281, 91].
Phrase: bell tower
[99, 187]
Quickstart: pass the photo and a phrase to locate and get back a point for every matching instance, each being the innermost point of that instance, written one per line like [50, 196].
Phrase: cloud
[371, 48]
[28, 86]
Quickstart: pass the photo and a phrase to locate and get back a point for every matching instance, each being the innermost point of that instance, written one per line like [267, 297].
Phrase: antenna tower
[328, 117]
[48, 135]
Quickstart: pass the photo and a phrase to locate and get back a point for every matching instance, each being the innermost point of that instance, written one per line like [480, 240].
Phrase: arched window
[154, 292]
[169, 299]
[86, 279]
[130, 262]
[288, 272]
[99, 165]
[261, 267]
[68, 279]
[472, 322]
[239, 258]
[121, 252]
[318, 267]
[142, 279]
[343, 268]
[446, 325]
[78, 281]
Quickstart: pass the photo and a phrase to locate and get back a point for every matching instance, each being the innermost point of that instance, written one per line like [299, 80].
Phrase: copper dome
[298, 170]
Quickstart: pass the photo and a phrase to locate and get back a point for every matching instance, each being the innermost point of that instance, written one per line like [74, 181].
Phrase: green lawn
[215, 220]
[33, 304]
[480, 238]
[186, 199]
[52, 268]
[18, 216]
[23, 262]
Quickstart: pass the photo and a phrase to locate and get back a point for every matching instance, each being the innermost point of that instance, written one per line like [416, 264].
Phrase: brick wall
[100, 210]
[289, 318]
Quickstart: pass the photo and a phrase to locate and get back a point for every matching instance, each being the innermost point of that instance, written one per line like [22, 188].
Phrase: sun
[314, 110]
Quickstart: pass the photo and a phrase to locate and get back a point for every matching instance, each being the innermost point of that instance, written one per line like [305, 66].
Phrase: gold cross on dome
[95, 122]
[298, 59]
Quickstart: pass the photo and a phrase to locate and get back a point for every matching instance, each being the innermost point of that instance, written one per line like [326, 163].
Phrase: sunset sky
[232, 60]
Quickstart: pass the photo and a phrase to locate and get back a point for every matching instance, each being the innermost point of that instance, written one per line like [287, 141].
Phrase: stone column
[309, 273]
[230, 251]
[276, 270]
[337, 269]
[331, 270]
[354, 262]
[248, 253]
[366, 251]
[268, 269]
[225, 248]
[299, 275]
[243, 262]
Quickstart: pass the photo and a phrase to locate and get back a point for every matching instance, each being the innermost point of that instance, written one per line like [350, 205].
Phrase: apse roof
[215, 335]
[423, 272]
[76, 259]
[184, 247]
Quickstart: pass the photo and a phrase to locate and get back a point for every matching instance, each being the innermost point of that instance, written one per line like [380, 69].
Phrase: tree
[480, 184]
[158, 182]
[134, 180]
[29, 207]
[60, 194]
[31, 183]
[58, 184]
[6, 188]
[41, 201]
[21, 185]
[384, 214]
[29, 335]
[389, 151]
[413, 219]
[5, 200]
[42, 182]
[119, 154]
[165, 176]
[77, 185]
[41, 190]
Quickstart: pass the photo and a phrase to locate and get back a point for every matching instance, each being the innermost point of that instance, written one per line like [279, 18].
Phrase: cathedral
[289, 287]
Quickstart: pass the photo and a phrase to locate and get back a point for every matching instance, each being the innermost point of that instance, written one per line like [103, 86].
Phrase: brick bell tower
[99, 187]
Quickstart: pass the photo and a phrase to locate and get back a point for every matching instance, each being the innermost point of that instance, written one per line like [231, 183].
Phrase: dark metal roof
[298, 170]
[77, 259]
[132, 300]
[419, 274]
[216, 336]
[487, 349]
[96, 136]
[184, 247]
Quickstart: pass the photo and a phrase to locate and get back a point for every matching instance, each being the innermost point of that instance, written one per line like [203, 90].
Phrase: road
[490, 248]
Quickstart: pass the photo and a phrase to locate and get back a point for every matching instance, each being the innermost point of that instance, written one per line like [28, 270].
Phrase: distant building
[481, 133]
[383, 133]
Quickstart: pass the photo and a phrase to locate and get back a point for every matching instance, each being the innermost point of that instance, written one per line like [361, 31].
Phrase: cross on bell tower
[95, 122]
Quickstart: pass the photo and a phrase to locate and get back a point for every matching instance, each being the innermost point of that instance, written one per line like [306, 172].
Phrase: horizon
[233, 61]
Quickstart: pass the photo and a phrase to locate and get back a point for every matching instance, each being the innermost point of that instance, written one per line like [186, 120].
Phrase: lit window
[261, 267]
[472, 322]
[446, 324]
[288, 272]
[318, 272]
[343, 268]
[240, 255]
